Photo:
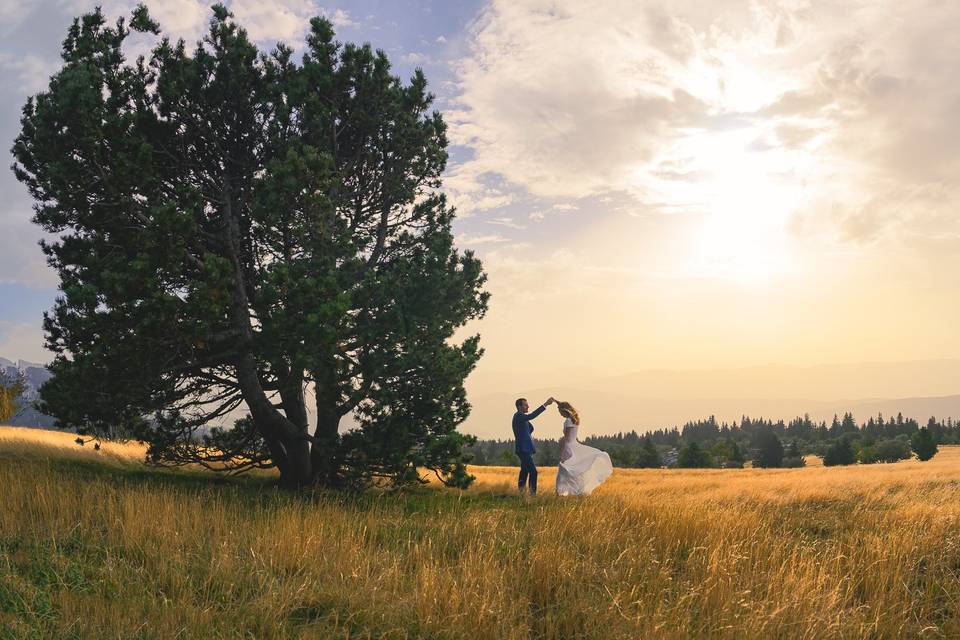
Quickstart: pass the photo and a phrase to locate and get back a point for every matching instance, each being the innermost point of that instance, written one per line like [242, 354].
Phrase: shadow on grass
[254, 490]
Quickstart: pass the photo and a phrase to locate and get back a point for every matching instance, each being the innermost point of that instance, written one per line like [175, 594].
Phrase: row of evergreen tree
[765, 443]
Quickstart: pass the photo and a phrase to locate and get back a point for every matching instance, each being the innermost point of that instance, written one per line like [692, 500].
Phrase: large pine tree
[236, 230]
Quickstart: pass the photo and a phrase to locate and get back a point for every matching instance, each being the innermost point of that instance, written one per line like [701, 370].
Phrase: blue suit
[524, 447]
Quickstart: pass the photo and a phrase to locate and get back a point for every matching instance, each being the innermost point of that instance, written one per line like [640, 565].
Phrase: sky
[650, 184]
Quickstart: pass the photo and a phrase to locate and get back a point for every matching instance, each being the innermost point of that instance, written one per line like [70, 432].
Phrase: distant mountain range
[653, 399]
[34, 374]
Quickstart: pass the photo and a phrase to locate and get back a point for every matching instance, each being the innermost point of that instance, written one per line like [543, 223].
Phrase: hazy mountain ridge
[832, 382]
[34, 374]
[653, 399]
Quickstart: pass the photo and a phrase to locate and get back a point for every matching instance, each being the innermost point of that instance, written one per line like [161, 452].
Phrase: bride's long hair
[567, 411]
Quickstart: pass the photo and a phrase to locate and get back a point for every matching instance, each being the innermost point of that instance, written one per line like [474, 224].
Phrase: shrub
[692, 456]
[839, 453]
[11, 392]
[648, 455]
[769, 450]
[885, 451]
[727, 454]
[923, 444]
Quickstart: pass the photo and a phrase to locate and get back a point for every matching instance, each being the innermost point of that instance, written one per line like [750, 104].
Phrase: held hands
[549, 401]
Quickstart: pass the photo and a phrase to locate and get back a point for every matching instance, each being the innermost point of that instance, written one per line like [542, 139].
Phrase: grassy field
[94, 545]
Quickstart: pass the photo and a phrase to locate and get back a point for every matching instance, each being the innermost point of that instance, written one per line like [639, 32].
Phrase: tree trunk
[326, 444]
[324, 453]
[281, 435]
[298, 449]
[279, 432]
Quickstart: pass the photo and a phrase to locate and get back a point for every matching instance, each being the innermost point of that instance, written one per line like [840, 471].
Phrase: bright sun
[741, 190]
[734, 178]
[747, 199]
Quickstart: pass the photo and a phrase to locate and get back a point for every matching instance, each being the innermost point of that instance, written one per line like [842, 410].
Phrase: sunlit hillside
[93, 545]
[66, 444]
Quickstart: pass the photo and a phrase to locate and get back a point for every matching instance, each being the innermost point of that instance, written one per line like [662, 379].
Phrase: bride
[582, 469]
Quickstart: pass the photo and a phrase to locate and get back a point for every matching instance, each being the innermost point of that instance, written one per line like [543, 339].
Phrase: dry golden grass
[94, 546]
[66, 445]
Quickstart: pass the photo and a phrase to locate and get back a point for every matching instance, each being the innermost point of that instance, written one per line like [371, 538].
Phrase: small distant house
[670, 458]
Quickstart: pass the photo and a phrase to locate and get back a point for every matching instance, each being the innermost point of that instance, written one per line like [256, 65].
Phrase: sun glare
[742, 190]
[732, 175]
[747, 199]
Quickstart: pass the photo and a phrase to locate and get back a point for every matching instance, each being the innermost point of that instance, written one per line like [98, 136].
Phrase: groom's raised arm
[533, 414]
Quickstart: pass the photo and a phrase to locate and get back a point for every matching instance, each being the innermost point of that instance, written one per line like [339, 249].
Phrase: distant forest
[765, 443]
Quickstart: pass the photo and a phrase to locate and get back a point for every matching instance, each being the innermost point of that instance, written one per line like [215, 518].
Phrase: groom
[524, 448]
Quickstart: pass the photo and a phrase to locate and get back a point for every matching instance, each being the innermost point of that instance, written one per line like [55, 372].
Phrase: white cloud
[178, 18]
[21, 260]
[22, 341]
[515, 275]
[567, 102]
[472, 193]
[12, 13]
[32, 72]
[466, 239]
[265, 20]
[415, 57]
[755, 113]
[186, 18]
[556, 208]
[340, 18]
[507, 222]
[285, 20]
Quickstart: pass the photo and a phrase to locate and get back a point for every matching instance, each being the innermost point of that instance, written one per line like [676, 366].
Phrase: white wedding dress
[582, 469]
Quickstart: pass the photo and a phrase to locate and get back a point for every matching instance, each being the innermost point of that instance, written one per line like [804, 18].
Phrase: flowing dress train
[582, 469]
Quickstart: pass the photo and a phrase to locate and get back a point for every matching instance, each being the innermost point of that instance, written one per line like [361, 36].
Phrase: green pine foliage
[727, 442]
[727, 453]
[923, 444]
[736, 457]
[692, 456]
[768, 450]
[792, 456]
[234, 228]
[840, 452]
[649, 456]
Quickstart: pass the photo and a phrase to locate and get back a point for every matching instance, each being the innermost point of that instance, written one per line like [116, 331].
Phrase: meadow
[95, 545]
